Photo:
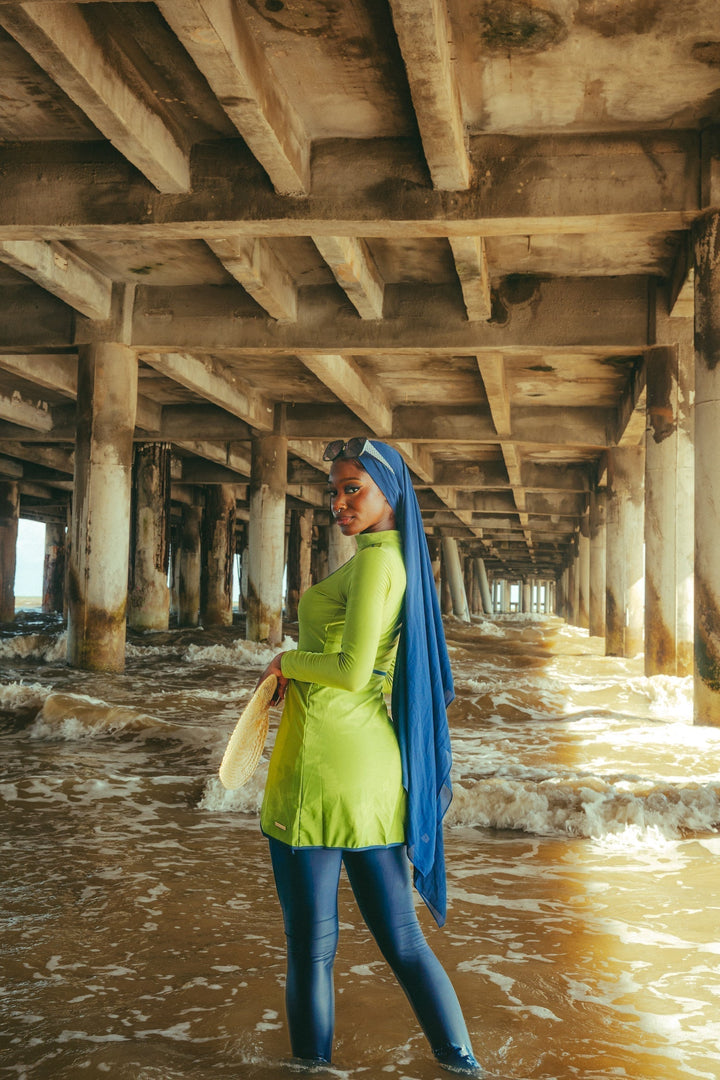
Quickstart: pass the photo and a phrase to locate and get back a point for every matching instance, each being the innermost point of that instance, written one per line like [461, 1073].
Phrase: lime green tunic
[335, 777]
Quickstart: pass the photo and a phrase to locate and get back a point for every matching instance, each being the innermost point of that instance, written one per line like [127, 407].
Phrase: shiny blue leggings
[307, 884]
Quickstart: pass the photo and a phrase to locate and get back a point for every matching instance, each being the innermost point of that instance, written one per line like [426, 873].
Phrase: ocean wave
[19, 696]
[78, 716]
[239, 652]
[586, 806]
[49, 648]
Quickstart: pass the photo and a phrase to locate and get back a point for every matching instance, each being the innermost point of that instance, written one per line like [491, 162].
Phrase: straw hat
[248, 739]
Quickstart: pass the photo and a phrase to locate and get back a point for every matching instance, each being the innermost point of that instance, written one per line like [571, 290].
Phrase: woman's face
[357, 503]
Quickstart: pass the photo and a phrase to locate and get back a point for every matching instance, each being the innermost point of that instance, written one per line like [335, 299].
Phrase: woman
[348, 786]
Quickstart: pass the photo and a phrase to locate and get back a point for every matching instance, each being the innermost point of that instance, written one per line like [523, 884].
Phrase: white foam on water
[240, 652]
[48, 648]
[78, 716]
[19, 695]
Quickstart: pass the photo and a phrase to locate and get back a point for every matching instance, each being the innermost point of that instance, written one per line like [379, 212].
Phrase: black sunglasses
[338, 448]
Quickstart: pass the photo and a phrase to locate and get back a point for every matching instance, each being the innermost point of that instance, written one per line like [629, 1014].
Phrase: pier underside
[486, 232]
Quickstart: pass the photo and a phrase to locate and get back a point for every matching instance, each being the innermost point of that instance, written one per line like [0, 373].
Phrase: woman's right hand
[274, 668]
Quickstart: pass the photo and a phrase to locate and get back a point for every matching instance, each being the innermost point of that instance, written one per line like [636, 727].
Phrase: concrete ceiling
[445, 223]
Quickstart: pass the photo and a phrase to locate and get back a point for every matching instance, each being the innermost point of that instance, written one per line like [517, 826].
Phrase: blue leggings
[307, 884]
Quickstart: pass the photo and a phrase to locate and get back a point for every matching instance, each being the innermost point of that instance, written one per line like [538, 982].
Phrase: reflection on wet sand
[143, 938]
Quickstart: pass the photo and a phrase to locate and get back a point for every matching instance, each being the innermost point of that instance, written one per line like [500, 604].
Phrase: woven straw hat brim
[248, 739]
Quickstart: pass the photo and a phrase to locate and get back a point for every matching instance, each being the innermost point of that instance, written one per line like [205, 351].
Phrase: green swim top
[335, 777]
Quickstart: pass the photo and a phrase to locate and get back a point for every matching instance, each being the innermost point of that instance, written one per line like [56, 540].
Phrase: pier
[488, 233]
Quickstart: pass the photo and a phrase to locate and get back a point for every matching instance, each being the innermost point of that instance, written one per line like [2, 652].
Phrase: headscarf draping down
[422, 686]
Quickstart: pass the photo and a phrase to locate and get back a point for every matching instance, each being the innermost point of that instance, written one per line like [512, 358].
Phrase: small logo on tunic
[280, 826]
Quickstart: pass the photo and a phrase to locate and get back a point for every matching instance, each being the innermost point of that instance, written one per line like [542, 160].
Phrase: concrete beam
[25, 413]
[228, 456]
[355, 271]
[61, 272]
[352, 387]
[423, 31]
[645, 182]
[51, 371]
[208, 379]
[558, 313]
[629, 427]
[218, 38]
[471, 266]
[255, 265]
[50, 457]
[59, 39]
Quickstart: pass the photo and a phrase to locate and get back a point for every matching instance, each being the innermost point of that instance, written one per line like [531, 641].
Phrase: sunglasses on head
[339, 448]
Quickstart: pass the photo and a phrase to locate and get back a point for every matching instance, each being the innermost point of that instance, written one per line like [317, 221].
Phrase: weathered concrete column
[149, 599]
[453, 567]
[678, 331]
[9, 516]
[340, 548]
[661, 522]
[217, 556]
[53, 599]
[484, 586]
[266, 538]
[596, 621]
[435, 549]
[707, 473]
[624, 592]
[526, 593]
[572, 591]
[189, 560]
[584, 572]
[320, 551]
[299, 574]
[100, 534]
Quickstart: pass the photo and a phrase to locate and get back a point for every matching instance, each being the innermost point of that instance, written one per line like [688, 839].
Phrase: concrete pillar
[453, 566]
[434, 547]
[174, 570]
[53, 599]
[320, 551]
[484, 586]
[624, 592]
[584, 572]
[189, 563]
[596, 618]
[149, 599]
[678, 333]
[9, 516]
[526, 591]
[340, 548]
[707, 473]
[100, 534]
[552, 597]
[299, 574]
[217, 555]
[661, 512]
[266, 538]
[573, 586]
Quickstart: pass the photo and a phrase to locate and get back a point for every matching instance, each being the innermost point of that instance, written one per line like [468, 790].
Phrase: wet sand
[142, 935]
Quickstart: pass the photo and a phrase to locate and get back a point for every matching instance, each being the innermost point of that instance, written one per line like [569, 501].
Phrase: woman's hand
[274, 668]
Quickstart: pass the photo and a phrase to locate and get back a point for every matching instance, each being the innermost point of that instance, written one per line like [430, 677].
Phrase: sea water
[142, 939]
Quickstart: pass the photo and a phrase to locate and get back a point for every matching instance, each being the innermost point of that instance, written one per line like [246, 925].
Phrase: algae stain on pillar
[707, 473]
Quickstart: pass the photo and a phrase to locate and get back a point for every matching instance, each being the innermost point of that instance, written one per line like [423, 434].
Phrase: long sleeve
[351, 667]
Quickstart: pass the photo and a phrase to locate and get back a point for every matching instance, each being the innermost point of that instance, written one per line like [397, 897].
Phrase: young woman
[346, 785]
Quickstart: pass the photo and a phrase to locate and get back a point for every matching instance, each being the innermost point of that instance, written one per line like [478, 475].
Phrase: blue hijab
[422, 685]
